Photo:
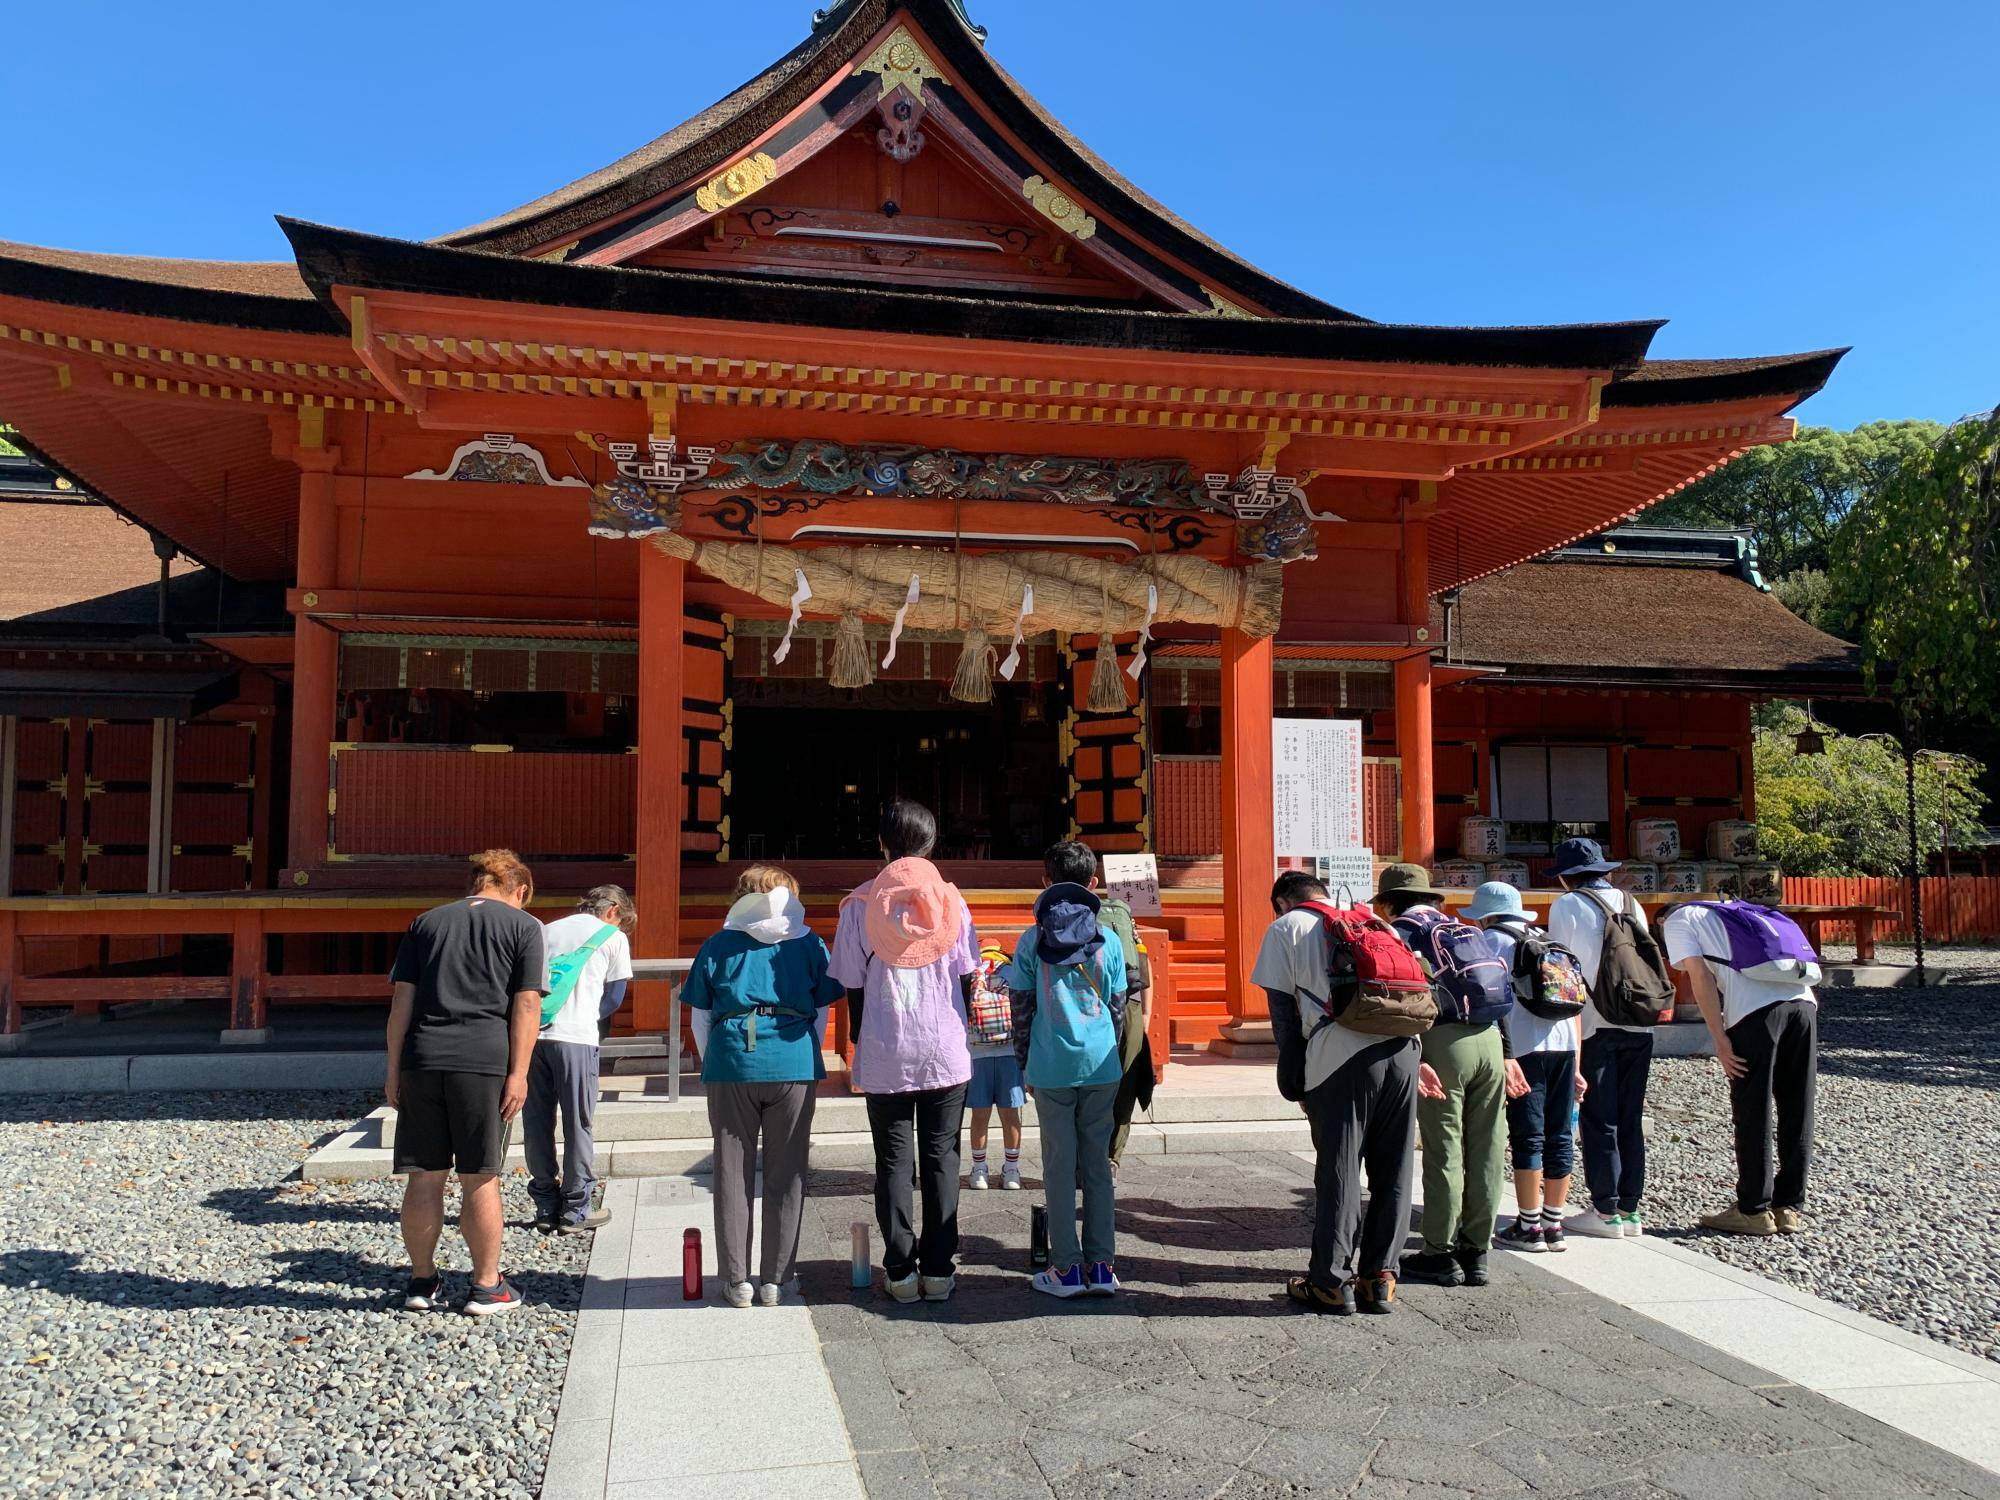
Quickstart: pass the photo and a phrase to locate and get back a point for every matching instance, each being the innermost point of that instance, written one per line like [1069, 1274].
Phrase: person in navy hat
[1615, 1060]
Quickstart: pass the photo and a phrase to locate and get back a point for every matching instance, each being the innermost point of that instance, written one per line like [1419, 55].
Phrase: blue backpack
[1472, 983]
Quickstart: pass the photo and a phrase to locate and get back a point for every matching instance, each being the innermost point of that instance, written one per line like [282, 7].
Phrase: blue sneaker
[1103, 1280]
[1071, 1283]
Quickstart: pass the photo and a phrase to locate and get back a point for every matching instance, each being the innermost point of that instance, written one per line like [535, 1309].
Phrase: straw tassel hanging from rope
[1107, 693]
[851, 667]
[973, 681]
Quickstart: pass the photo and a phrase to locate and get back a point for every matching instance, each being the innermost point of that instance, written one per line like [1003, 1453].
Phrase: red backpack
[1375, 984]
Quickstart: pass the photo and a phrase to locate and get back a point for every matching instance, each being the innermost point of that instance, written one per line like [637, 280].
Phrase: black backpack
[1549, 981]
[1632, 986]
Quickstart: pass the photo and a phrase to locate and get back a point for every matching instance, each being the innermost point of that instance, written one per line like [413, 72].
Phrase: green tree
[7, 449]
[1793, 497]
[1920, 571]
[1842, 812]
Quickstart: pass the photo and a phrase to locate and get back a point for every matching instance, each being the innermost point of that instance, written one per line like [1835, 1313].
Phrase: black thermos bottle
[1038, 1237]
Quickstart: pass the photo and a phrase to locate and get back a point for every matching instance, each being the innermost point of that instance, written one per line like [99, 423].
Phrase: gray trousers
[1076, 1129]
[1363, 1117]
[562, 1076]
[738, 1113]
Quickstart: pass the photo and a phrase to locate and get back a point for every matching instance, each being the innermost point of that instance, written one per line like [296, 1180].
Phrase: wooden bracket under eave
[379, 361]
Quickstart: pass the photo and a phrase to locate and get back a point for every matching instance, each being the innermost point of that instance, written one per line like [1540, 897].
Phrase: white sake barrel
[1723, 876]
[1732, 839]
[1482, 839]
[1460, 874]
[1682, 878]
[1763, 882]
[1510, 871]
[1655, 840]
[1639, 876]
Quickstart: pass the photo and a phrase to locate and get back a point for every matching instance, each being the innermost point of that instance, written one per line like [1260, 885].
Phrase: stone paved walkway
[1202, 1382]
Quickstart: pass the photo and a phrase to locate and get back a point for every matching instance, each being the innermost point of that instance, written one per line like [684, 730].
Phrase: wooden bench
[1864, 918]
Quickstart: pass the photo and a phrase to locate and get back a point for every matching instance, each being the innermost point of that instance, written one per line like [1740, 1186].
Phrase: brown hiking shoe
[1788, 1220]
[1733, 1220]
[1375, 1292]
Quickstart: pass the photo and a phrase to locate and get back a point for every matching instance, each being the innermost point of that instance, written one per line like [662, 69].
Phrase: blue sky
[1772, 175]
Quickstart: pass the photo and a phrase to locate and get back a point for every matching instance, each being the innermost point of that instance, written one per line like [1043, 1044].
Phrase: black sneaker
[1433, 1268]
[1521, 1235]
[1552, 1233]
[423, 1293]
[490, 1301]
[1472, 1265]
[546, 1221]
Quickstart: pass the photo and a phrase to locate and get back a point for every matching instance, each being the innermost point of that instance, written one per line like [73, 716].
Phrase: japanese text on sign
[1316, 785]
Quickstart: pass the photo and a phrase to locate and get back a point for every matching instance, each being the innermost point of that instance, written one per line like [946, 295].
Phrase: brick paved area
[1202, 1381]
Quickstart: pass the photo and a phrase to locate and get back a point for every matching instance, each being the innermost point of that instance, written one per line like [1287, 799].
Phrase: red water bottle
[691, 1266]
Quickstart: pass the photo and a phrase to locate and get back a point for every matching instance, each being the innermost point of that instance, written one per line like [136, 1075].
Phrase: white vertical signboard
[1316, 786]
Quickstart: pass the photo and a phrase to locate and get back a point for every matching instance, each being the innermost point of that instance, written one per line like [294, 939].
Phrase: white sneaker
[906, 1290]
[977, 1181]
[1010, 1177]
[737, 1294]
[938, 1288]
[1595, 1225]
[1631, 1225]
[771, 1293]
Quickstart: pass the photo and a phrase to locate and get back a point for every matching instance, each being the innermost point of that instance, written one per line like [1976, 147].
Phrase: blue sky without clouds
[1772, 175]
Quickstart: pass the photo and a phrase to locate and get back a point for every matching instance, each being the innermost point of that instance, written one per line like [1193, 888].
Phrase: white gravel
[179, 1318]
[1904, 1198]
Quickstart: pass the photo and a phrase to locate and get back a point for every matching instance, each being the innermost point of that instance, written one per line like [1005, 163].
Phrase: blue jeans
[1612, 1118]
[1538, 1123]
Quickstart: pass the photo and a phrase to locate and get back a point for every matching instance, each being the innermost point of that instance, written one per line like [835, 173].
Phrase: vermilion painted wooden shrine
[864, 433]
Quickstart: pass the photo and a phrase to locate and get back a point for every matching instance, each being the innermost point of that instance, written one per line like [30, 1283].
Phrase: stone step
[359, 1153]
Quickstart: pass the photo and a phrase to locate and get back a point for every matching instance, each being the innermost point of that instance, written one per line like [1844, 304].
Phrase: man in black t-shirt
[466, 1008]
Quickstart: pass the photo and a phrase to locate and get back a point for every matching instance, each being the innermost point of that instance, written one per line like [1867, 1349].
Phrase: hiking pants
[562, 1079]
[1465, 1137]
[738, 1113]
[1127, 1102]
[1612, 1118]
[1076, 1152]
[1363, 1118]
[917, 1133]
[1781, 1045]
[1539, 1122]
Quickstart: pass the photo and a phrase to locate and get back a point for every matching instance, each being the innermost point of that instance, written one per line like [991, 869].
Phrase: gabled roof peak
[832, 14]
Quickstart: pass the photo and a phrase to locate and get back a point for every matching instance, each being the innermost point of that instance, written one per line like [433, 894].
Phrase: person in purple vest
[1753, 981]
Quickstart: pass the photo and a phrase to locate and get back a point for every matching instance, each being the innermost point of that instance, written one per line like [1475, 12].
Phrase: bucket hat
[1582, 857]
[1407, 880]
[1496, 898]
[914, 915]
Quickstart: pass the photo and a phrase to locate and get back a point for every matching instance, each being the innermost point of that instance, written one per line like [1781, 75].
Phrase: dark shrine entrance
[813, 766]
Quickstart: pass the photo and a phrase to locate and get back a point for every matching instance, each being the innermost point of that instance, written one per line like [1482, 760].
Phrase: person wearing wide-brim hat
[1461, 1110]
[1615, 1060]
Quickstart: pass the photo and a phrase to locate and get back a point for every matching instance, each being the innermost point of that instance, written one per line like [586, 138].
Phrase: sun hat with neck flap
[913, 914]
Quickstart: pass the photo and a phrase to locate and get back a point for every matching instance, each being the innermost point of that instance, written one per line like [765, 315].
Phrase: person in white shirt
[563, 1074]
[1615, 1061]
[1359, 1093]
[1767, 1040]
[1541, 1132]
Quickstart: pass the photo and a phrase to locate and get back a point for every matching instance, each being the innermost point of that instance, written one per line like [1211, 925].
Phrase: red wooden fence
[1961, 908]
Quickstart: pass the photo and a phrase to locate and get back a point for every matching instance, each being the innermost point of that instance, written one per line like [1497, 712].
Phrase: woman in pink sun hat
[906, 952]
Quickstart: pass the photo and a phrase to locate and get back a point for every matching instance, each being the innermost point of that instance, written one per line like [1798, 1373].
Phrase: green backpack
[566, 972]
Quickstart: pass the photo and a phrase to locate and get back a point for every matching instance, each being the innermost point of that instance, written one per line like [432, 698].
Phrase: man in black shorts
[467, 1006]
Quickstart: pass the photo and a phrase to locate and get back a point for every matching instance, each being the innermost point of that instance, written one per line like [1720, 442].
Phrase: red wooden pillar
[1249, 836]
[315, 680]
[12, 1038]
[657, 847]
[1414, 743]
[248, 1010]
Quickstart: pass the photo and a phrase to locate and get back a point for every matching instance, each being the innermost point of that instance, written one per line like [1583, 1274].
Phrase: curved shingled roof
[713, 138]
[241, 293]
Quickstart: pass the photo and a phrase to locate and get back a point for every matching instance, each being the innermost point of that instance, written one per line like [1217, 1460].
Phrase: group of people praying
[1398, 1022]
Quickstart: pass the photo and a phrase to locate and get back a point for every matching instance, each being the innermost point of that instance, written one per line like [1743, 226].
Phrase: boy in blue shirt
[1067, 984]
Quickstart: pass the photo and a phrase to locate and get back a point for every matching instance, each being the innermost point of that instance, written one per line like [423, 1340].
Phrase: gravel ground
[1904, 1199]
[178, 1318]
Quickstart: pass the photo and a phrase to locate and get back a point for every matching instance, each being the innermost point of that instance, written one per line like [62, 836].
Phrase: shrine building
[865, 435]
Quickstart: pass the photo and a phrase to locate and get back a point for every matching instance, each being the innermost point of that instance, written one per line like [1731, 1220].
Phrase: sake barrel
[1638, 876]
[1482, 839]
[1509, 871]
[1460, 874]
[1763, 882]
[1723, 876]
[1682, 878]
[1655, 840]
[1732, 839]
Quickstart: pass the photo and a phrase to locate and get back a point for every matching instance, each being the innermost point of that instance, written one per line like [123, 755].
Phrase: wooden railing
[1957, 908]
